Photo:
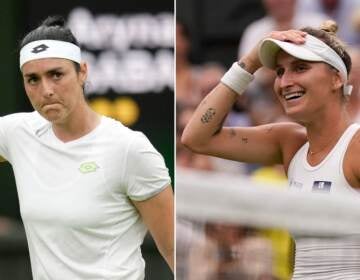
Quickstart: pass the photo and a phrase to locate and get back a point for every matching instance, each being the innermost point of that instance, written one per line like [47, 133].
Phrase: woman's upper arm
[351, 163]
[261, 144]
[157, 213]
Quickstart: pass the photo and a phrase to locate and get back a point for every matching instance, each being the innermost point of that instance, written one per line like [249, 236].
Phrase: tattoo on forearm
[245, 140]
[208, 116]
[232, 132]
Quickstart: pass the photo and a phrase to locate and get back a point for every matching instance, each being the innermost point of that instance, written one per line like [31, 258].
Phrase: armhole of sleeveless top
[293, 161]
[342, 157]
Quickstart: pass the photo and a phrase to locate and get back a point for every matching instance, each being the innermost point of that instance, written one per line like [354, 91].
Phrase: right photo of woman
[267, 140]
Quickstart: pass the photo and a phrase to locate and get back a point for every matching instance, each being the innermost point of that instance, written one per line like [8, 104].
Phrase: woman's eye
[300, 68]
[279, 72]
[57, 75]
[32, 80]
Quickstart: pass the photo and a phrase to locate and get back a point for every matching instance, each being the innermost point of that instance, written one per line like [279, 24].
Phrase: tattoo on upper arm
[269, 129]
[244, 140]
[208, 116]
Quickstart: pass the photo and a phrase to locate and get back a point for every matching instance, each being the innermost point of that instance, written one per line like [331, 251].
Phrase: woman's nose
[47, 88]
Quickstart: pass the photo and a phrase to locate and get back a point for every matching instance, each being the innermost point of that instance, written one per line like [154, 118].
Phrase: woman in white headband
[89, 188]
[319, 152]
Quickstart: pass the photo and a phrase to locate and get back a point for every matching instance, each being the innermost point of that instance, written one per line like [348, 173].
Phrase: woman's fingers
[294, 36]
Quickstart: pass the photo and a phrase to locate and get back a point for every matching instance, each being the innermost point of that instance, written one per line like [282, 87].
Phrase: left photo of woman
[86, 141]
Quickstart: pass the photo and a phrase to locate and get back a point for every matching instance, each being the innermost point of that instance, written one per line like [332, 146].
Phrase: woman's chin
[53, 116]
[296, 114]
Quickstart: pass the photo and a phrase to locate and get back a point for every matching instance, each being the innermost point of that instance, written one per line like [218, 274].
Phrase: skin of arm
[351, 165]
[264, 144]
[157, 213]
[205, 134]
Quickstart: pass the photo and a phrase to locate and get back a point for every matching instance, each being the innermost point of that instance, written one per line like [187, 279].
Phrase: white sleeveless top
[320, 258]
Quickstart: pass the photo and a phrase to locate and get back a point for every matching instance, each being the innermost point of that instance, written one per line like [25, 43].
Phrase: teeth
[293, 95]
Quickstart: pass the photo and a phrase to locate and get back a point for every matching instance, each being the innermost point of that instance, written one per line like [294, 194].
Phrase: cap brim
[269, 49]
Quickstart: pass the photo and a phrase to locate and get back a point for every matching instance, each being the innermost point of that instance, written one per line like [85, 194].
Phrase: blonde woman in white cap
[89, 188]
[319, 152]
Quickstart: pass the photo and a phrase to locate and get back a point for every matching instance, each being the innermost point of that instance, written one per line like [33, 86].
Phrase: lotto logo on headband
[39, 48]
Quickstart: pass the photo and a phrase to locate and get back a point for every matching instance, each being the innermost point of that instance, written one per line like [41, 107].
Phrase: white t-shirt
[75, 197]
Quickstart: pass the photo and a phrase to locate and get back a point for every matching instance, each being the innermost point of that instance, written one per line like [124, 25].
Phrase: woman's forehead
[283, 58]
[44, 65]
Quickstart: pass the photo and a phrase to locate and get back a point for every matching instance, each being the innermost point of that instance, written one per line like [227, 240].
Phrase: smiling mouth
[293, 95]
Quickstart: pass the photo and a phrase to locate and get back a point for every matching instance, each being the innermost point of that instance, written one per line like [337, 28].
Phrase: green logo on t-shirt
[88, 167]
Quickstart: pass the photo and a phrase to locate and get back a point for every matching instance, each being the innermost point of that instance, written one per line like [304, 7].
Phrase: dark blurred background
[215, 27]
[129, 48]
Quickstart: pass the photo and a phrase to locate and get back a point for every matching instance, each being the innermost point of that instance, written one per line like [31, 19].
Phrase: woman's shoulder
[354, 144]
[121, 131]
[290, 134]
[115, 126]
[351, 165]
[286, 130]
[17, 119]
[292, 137]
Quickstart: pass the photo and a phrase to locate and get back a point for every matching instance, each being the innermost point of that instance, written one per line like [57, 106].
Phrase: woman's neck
[324, 133]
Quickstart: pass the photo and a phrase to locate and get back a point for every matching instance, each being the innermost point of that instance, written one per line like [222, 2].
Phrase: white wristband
[237, 78]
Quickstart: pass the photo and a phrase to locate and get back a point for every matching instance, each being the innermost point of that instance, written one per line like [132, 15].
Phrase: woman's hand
[293, 36]
[251, 62]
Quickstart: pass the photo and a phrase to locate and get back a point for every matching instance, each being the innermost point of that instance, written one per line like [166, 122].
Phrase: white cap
[49, 49]
[312, 50]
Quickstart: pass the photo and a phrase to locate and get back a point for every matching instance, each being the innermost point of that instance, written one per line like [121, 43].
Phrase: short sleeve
[6, 123]
[146, 173]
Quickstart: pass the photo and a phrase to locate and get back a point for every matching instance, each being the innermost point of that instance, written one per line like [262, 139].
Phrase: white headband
[49, 49]
[312, 50]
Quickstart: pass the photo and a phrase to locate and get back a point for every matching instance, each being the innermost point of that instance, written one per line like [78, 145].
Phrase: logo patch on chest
[295, 184]
[321, 186]
[88, 167]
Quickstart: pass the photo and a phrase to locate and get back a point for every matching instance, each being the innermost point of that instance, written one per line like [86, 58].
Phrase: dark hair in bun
[52, 28]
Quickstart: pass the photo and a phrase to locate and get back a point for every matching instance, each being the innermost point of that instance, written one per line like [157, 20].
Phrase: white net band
[217, 198]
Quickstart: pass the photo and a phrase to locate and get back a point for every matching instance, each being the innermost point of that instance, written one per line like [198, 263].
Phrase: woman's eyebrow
[50, 71]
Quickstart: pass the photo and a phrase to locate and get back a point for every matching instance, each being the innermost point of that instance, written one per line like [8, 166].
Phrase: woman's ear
[337, 81]
[83, 73]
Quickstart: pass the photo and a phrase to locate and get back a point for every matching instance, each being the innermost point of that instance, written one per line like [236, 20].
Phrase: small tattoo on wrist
[232, 132]
[242, 64]
[244, 140]
[209, 114]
